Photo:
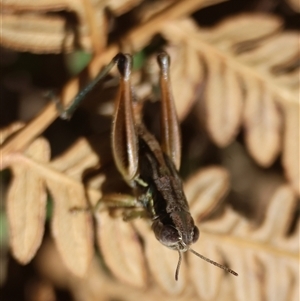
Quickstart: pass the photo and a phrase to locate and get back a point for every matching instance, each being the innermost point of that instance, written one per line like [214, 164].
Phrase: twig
[137, 37]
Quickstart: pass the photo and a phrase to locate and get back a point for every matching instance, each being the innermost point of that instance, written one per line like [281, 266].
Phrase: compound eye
[196, 234]
[167, 235]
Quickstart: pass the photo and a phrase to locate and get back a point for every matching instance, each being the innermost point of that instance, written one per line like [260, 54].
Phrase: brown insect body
[155, 178]
[163, 196]
[149, 167]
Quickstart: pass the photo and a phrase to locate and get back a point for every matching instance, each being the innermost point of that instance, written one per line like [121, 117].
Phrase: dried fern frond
[295, 5]
[266, 257]
[42, 28]
[251, 80]
[27, 26]
[263, 254]
[26, 202]
[136, 38]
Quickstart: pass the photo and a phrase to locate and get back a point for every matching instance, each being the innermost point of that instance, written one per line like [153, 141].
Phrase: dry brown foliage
[240, 74]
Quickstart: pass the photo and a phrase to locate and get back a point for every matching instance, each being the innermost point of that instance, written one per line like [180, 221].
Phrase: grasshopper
[150, 168]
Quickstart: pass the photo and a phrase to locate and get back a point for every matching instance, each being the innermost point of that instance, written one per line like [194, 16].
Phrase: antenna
[178, 265]
[214, 263]
[206, 259]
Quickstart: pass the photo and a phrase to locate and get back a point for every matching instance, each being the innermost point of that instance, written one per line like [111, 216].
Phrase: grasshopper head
[179, 235]
[180, 239]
